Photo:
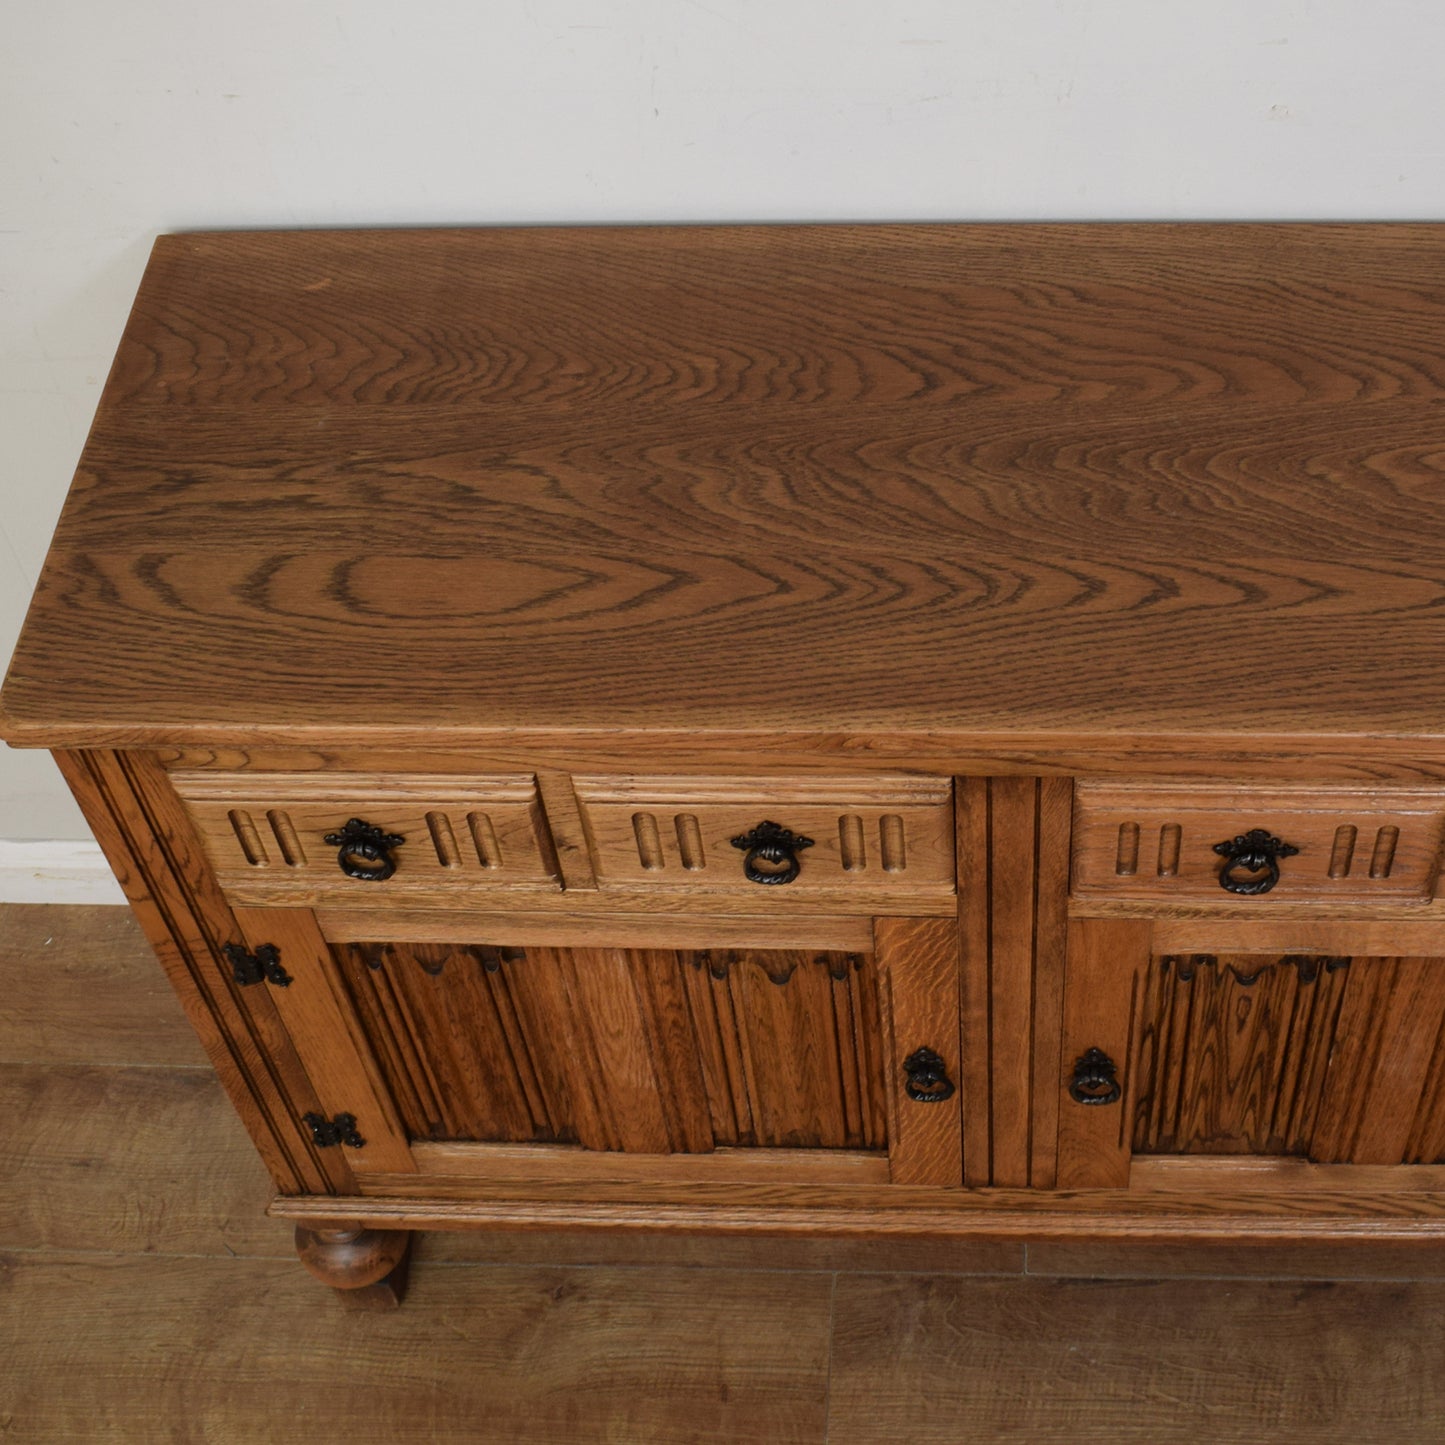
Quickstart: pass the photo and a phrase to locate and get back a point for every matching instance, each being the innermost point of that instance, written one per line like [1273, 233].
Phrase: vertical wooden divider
[148, 840]
[1013, 840]
[1106, 960]
[322, 1022]
[1013, 884]
[971, 814]
[1050, 948]
[564, 824]
[918, 965]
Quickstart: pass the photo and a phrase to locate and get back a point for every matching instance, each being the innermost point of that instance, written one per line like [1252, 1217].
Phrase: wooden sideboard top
[893, 490]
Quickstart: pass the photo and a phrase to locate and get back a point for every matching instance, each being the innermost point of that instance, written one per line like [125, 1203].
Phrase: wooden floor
[145, 1297]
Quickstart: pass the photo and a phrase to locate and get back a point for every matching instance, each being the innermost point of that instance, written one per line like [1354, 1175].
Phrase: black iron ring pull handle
[364, 850]
[928, 1081]
[774, 845]
[1096, 1079]
[1253, 866]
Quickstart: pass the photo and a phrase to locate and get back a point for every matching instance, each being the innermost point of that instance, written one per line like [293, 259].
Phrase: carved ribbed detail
[287, 840]
[689, 842]
[444, 840]
[265, 833]
[789, 1045]
[1342, 854]
[1193, 842]
[248, 838]
[649, 841]
[1383, 857]
[1171, 838]
[892, 847]
[648, 1050]
[1233, 1052]
[1126, 859]
[484, 840]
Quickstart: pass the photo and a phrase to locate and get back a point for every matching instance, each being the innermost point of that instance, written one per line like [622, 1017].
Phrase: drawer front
[834, 839]
[351, 837]
[1216, 844]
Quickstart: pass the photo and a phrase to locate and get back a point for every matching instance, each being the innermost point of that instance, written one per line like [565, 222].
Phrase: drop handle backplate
[927, 1075]
[1253, 861]
[1095, 1079]
[364, 850]
[774, 845]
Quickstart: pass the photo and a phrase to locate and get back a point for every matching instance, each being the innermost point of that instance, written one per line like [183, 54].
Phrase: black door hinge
[262, 966]
[339, 1130]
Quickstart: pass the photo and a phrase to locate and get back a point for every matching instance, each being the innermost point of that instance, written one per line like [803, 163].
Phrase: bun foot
[366, 1267]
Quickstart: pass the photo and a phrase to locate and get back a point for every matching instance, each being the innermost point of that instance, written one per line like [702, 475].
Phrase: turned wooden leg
[366, 1267]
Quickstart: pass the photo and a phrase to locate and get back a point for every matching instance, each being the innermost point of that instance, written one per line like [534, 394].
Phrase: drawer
[348, 837]
[1216, 843]
[836, 839]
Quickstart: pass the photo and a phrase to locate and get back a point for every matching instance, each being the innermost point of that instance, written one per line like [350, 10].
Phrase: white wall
[118, 121]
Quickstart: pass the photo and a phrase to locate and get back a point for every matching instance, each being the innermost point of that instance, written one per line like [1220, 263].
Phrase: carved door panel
[438, 1049]
[1330, 1057]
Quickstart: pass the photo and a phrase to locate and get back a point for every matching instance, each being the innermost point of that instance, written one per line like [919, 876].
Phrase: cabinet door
[1330, 1056]
[442, 1050]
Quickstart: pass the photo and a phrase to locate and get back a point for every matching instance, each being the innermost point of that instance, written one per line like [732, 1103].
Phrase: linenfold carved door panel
[1326, 1056]
[439, 1050]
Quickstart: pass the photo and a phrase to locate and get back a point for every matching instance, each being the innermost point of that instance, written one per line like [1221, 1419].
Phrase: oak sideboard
[835, 730]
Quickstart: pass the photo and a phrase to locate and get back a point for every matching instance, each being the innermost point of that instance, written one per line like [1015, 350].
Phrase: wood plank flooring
[145, 1297]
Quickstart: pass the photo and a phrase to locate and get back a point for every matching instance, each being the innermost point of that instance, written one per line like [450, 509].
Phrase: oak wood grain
[1336, 834]
[1211, 756]
[581, 926]
[973, 649]
[153, 1160]
[471, 836]
[259, 890]
[775, 506]
[920, 998]
[565, 831]
[1104, 963]
[645, 1051]
[1013, 879]
[1367, 935]
[930, 490]
[975, 975]
[326, 1032]
[1195, 920]
[869, 838]
[1049, 944]
[1377, 1106]
[1341, 1205]
[1012, 892]
[1231, 1053]
[553, 316]
[527, 1162]
[757, 1250]
[1023, 473]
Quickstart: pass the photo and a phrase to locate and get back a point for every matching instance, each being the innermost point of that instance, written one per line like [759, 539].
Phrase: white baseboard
[55, 872]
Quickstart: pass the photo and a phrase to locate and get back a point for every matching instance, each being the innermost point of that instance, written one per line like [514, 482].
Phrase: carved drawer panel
[350, 837]
[778, 839]
[1214, 844]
